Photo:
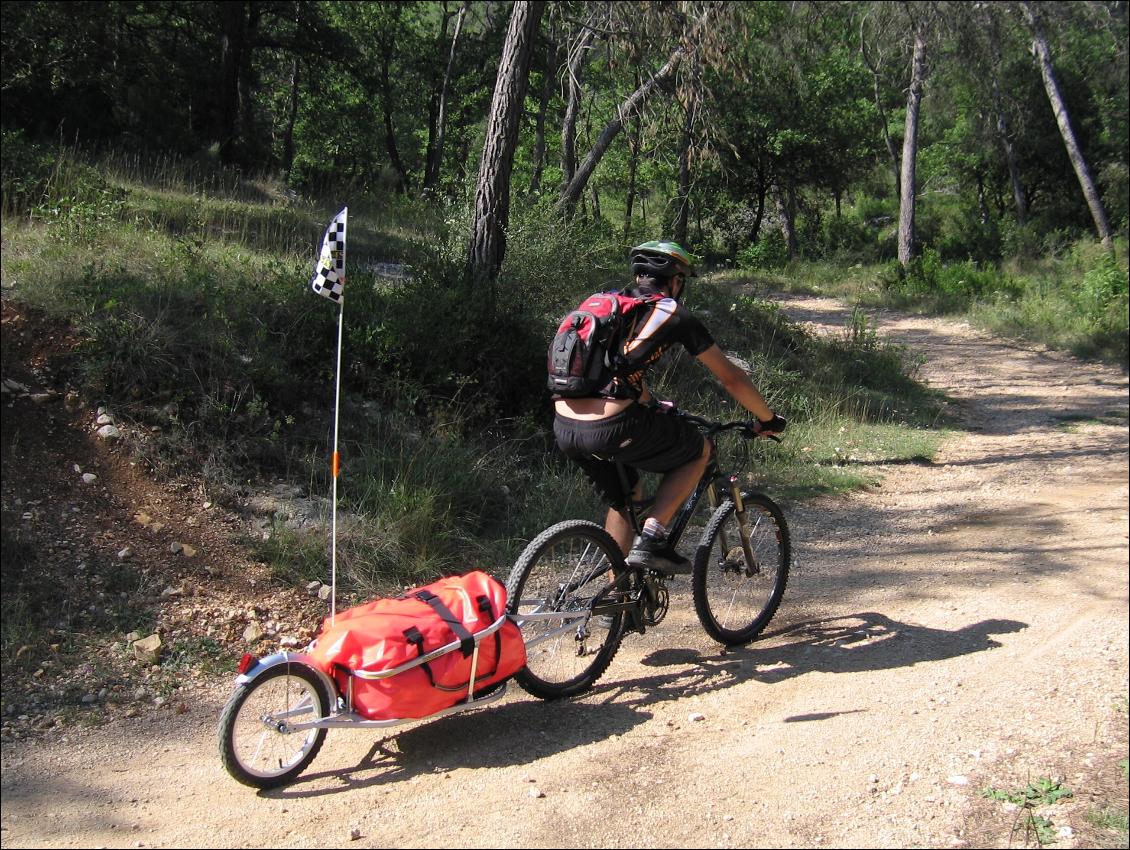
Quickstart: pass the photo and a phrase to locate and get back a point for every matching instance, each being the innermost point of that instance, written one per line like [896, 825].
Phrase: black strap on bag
[488, 609]
[466, 641]
[416, 639]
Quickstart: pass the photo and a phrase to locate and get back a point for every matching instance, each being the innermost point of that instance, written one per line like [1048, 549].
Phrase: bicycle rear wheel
[734, 598]
[560, 573]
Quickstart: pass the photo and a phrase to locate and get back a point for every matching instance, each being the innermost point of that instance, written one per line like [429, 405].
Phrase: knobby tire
[561, 570]
[733, 607]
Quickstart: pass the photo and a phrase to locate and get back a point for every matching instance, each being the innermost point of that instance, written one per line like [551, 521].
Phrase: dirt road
[962, 626]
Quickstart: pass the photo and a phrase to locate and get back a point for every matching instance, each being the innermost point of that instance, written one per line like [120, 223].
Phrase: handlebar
[713, 426]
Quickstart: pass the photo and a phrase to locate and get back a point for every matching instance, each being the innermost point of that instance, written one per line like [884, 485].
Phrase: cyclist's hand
[768, 427]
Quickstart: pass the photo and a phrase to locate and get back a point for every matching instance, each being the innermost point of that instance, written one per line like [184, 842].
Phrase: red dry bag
[387, 633]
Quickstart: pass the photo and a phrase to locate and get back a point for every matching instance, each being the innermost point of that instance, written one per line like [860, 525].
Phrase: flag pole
[335, 469]
[329, 281]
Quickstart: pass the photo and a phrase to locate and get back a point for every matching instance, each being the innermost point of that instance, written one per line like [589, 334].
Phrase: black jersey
[657, 327]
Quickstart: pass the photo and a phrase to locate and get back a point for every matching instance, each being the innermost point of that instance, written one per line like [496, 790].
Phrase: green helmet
[661, 259]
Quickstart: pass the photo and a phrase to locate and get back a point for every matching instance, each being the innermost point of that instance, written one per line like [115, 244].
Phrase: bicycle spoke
[736, 594]
[562, 571]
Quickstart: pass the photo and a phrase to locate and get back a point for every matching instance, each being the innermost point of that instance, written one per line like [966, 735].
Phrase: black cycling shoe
[654, 553]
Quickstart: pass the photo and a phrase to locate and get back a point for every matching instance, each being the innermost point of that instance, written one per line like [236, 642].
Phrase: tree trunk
[492, 192]
[633, 165]
[878, 95]
[292, 107]
[232, 43]
[539, 124]
[247, 135]
[785, 214]
[906, 234]
[573, 105]
[390, 131]
[435, 153]
[759, 212]
[465, 118]
[1019, 196]
[982, 202]
[575, 186]
[291, 119]
[683, 193]
[1074, 153]
[892, 151]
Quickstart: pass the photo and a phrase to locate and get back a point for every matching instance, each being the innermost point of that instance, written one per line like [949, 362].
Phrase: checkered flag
[329, 273]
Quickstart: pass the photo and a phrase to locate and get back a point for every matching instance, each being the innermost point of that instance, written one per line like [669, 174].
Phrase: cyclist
[624, 423]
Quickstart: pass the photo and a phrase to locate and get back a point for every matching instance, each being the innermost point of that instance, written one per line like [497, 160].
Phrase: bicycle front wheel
[255, 747]
[737, 593]
[551, 591]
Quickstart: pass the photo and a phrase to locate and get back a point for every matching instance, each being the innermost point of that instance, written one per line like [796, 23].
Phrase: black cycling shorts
[640, 437]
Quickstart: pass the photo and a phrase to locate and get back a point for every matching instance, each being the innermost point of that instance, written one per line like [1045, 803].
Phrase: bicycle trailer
[423, 651]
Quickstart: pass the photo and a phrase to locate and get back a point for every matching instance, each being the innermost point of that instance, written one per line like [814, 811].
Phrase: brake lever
[757, 435]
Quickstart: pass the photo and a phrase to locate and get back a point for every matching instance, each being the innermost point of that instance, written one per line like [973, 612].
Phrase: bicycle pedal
[668, 569]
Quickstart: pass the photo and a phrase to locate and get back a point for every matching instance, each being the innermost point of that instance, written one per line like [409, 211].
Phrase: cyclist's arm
[736, 382]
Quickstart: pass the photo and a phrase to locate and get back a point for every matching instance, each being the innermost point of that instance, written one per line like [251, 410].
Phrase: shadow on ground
[525, 731]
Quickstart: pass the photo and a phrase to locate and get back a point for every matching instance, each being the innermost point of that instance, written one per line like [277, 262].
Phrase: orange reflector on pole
[336, 464]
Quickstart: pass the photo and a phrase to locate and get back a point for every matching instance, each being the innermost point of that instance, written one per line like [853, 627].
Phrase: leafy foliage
[1042, 792]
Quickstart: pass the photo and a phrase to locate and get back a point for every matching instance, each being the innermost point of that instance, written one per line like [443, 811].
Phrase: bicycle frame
[708, 486]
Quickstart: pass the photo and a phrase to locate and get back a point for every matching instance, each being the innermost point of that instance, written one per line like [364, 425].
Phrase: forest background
[168, 168]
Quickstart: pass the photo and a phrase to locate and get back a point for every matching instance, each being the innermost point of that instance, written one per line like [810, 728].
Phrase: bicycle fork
[752, 567]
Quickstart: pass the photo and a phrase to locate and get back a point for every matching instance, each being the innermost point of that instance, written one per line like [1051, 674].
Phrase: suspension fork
[743, 526]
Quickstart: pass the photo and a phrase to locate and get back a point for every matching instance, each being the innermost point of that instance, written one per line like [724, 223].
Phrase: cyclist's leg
[677, 486]
[671, 446]
[587, 443]
[618, 524]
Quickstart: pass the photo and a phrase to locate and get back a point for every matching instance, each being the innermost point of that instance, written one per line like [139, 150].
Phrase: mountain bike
[575, 597]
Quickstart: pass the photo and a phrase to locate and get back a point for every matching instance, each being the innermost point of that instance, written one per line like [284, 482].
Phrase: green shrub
[433, 344]
[768, 252]
[1115, 179]
[951, 284]
[1103, 282]
[1022, 242]
[848, 237]
[25, 171]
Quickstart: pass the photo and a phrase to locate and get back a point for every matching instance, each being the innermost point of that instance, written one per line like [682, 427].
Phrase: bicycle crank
[656, 599]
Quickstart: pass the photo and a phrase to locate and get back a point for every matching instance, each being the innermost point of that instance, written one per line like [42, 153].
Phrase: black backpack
[587, 350]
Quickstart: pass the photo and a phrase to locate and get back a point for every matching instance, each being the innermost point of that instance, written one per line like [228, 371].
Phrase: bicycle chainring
[656, 600]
